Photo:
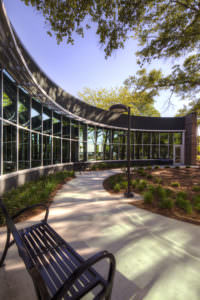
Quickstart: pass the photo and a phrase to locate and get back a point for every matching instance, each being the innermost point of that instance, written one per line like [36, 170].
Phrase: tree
[163, 28]
[141, 103]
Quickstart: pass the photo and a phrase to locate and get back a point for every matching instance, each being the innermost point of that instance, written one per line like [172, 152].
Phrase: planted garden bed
[39, 191]
[171, 192]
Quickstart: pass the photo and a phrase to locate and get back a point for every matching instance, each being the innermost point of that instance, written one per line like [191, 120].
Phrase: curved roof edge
[70, 103]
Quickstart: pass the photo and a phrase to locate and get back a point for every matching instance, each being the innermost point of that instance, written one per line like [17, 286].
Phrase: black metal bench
[57, 271]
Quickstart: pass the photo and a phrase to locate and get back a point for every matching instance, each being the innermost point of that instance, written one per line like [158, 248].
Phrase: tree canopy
[163, 29]
[141, 103]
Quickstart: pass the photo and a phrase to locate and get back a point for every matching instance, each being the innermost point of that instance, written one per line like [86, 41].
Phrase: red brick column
[190, 139]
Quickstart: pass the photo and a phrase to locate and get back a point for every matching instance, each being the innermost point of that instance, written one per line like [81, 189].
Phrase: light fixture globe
[118, 108]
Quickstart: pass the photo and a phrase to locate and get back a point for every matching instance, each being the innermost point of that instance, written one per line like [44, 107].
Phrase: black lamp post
[121, 108]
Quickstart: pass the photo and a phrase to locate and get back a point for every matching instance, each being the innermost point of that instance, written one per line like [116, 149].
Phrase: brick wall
[190, 139]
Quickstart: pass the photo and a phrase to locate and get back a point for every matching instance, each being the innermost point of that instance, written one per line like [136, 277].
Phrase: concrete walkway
[157, 258]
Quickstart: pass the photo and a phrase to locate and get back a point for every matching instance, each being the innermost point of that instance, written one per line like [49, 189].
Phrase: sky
[83, 64]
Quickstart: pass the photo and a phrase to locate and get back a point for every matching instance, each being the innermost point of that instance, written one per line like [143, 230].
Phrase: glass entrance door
[178, 156]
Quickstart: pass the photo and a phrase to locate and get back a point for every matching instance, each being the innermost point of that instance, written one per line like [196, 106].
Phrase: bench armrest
[85, 266]
[31, 207]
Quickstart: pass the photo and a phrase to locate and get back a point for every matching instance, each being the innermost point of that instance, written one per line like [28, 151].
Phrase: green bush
[167, 203]
[151, 188]
[196, 188]
[149, 168]
[149, 176]
[141, 185]
[169, 192]
[148, 197]
[175, 184]
[196, 200]
[117, 188]
[134, 183]
[156, 167]
[197, 207]
[182, 195]
[184, 204]
[158, 180]
[177, 167]
[167, 167]
[33, 192]
[160, 192]
[141, 172]
[188, 167]
[124, 184]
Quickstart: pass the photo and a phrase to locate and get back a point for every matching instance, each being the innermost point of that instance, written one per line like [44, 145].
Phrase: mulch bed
[187, 177]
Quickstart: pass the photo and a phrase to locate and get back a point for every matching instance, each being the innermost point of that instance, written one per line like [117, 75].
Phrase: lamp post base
[128, 195]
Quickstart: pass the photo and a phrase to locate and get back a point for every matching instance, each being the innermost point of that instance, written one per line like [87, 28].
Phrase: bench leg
[5, 249]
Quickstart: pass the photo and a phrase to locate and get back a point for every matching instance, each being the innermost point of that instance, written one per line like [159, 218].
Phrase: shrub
[184, 204]
[169, 192]
[197, 207]
[149, 168]
[158, 180]
[143, 182]
[166, 167]
[156, 167]
[149, 176]
[141, 172]
[160, 192]
[148, 197]
[196, 200]
[117, 188]
[124, 184]
[167, 203]
[182, 195]
[151, 188]
[187, 167]
[175, 184]
[177, 167]
[142, 185]
[196, 188]
[134, 183]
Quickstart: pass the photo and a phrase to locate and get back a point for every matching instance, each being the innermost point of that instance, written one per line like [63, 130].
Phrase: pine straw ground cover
[171, 192]
[39, 191]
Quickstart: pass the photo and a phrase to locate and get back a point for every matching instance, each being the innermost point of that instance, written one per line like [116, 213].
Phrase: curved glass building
[43, 128]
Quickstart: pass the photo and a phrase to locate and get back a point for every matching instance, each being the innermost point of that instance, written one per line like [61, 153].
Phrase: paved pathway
[157, 258]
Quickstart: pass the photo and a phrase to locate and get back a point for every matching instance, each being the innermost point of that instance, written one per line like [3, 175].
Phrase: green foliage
[117, 188]
[141, 172]
[167, 167]
[156, 167]
[167, 203]
[184, 204]
[151, 188]
[134, 183]
[188, 167]
[160, 193]
[149, 176]
[33, 192]
[141, 104]
[158, 180]
[196, 188]
[124, 184]
[141, 185]
[175, 184]
[148, 197]
[196, 200]
[182, 195]
[169, 192]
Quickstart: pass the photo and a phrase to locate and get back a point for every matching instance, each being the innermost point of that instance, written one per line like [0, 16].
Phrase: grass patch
[33, 192]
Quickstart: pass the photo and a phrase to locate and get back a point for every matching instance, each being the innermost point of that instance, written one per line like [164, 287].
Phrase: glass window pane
[171, 155]
[36, 150]
[47, 146]
[91, 151]
[146, 137]
[24, 149]
[74, 129]
[178, 138]
[106, 136]
[99, 152]
[138, 152]
[82, 151]
[164, 152]
[122, 152]
[74, 151]
[106, 152]
[155, 138]
[132, 137]
[83, 133]
[9, 148]
[146, 152]
[56, 151]
[155, 152]
[66, 151]
[66, 127]
[47, 120]
[36, 115]
[56, 124]
[24, 108]
[9, 99]
[171, 136]
[115, 152]
[164, 139]
[138, 137]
